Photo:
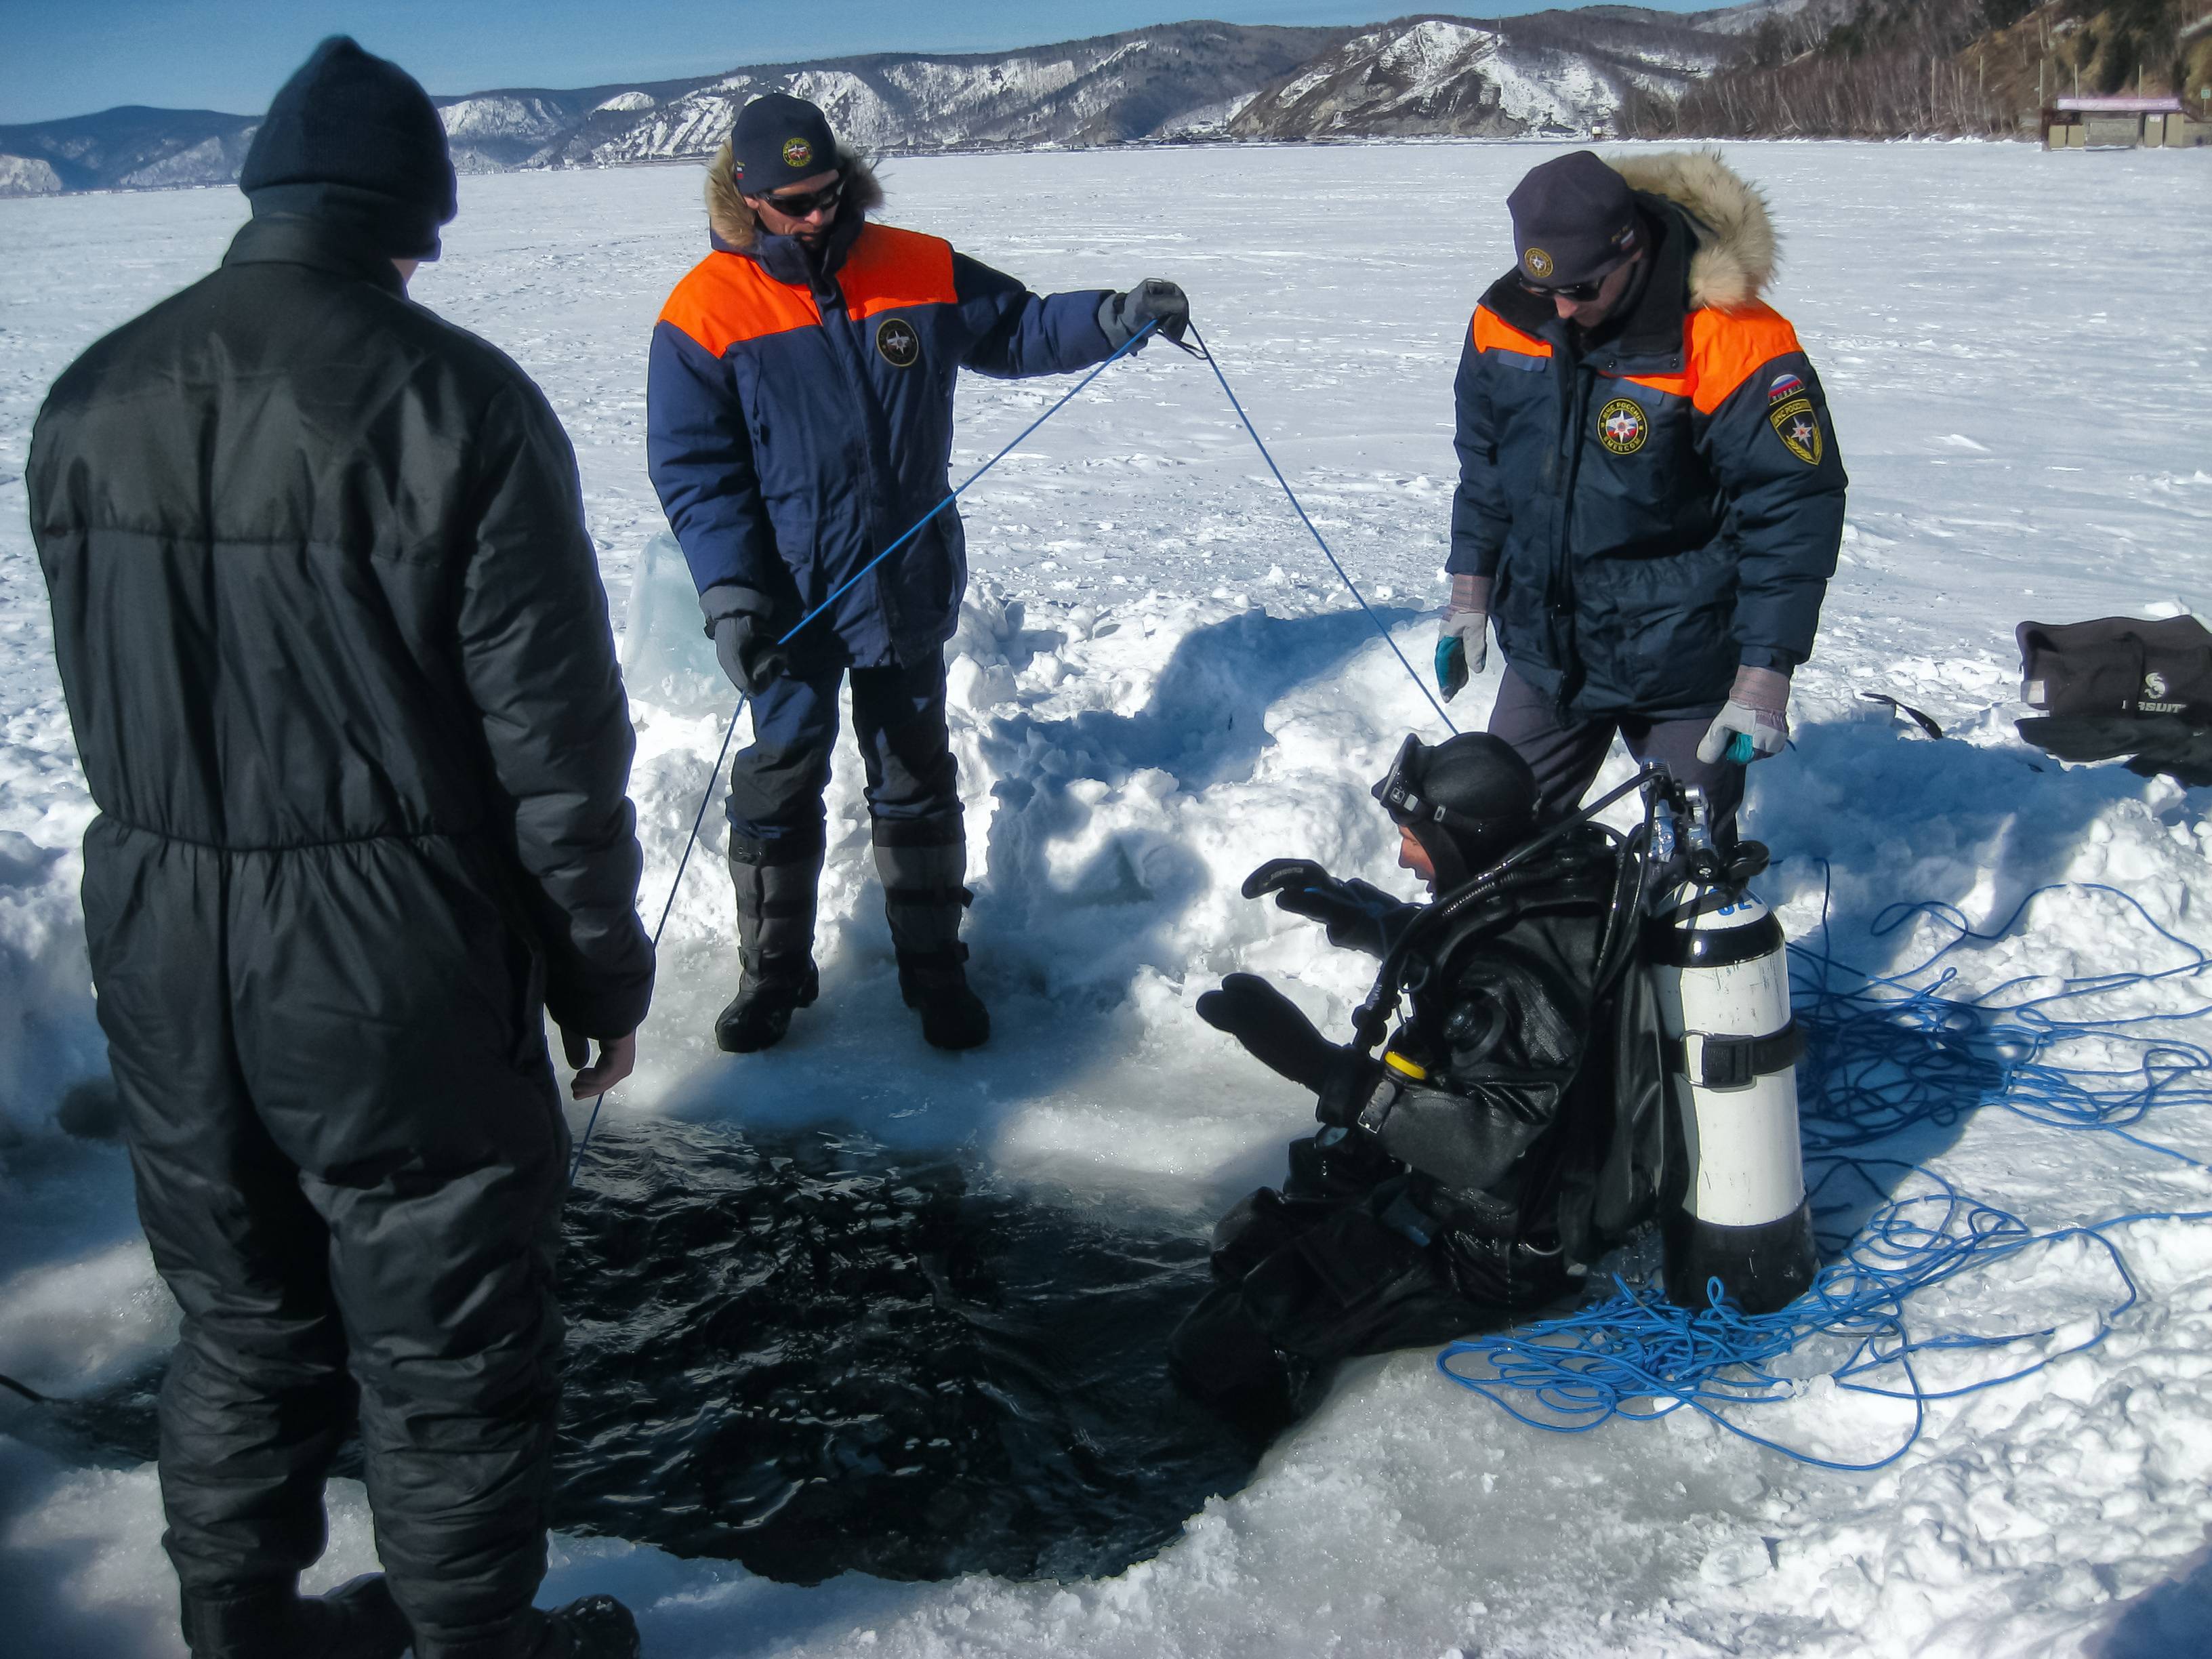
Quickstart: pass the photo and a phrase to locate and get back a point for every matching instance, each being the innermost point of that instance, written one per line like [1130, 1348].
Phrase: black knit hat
[353, 138]
[779, 140]
[1574, 221]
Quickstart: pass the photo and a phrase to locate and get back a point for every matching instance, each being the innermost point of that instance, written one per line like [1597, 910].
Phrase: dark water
[812, 1356]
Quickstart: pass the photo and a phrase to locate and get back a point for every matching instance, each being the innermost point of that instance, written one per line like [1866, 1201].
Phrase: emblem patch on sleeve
[899, 345]
[1622, 426]
[1799, 429]
[1784, 384]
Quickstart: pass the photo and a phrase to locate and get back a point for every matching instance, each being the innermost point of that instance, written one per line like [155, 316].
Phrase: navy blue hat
[354, 138]
[779, 140]
[1574, 221]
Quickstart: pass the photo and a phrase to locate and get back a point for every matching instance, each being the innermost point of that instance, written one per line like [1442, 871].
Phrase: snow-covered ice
[1156, 683]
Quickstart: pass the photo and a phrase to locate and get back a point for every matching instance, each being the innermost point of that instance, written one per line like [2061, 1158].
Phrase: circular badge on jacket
[899, 345]
[1622, 426]
[796, 152]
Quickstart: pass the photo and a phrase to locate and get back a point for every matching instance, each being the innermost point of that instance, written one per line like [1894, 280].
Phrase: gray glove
[1463, 641]
[1154, 300]
[1755, 721]
[739, 622]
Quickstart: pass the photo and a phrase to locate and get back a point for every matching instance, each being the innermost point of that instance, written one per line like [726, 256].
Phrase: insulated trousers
[898, 715]
[350, 1156]
[1566, 754]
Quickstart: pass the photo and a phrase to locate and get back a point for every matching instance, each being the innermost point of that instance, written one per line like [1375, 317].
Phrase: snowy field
[1158, 684]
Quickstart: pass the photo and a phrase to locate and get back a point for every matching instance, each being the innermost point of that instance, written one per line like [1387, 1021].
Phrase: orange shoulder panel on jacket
[889, 269]
[1493, 332]
[726, 298]
[1724, 347]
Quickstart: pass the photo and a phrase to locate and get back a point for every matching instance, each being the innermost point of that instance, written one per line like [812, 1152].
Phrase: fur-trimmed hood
[735, 225]
[1737, 244]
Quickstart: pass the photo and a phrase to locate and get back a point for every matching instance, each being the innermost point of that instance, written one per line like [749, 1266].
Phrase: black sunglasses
[1576, 292]
[798, 204]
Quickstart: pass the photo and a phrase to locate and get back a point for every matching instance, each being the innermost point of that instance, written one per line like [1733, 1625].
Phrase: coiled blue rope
[1885, 1053]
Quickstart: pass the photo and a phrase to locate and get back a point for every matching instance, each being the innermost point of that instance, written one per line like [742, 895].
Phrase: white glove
[1463, 638]
[1754, 722]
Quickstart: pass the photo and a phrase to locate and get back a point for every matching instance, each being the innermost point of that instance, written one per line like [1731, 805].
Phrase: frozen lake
[1159, 684]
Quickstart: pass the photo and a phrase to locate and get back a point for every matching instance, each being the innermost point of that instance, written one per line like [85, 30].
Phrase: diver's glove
[1755, 721]
[1276, 1034]
[1155, 300]
[1356, 916]
[739, 622]
[1271, 1027]
[1463, 639]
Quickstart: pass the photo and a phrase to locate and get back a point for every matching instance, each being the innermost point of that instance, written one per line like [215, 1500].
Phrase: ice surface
[1157, 684]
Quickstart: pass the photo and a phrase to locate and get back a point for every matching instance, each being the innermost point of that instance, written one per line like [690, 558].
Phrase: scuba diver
[1512, 1130]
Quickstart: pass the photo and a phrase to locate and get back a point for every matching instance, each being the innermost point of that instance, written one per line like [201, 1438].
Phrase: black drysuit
[338, 659]
[1511, 1135]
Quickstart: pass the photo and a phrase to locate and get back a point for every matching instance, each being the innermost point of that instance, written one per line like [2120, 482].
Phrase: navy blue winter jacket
[1665, 503]
[800, 418]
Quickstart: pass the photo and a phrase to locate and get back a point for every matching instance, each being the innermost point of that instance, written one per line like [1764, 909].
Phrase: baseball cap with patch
[778, 141]
[1574, 220]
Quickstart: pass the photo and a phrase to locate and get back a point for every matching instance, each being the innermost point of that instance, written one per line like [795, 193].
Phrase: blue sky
[73, 56]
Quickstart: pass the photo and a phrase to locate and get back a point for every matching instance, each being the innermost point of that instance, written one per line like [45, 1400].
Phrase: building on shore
[2121, 124]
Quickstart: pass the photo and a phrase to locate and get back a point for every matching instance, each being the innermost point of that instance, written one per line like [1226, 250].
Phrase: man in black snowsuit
[337, 660]
[1506, 1138]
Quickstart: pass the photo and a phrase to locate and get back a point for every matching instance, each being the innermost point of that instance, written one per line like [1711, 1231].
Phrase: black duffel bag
[2122, 686]
[2118, 666]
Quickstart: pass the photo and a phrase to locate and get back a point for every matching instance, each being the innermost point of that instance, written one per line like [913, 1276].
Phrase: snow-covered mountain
[1560, 72]
[1144, 83]
[1563, 73]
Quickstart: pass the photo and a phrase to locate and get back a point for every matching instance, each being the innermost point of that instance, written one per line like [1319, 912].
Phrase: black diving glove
[1272, 1028]
[1356, 916]
[1276, 1034]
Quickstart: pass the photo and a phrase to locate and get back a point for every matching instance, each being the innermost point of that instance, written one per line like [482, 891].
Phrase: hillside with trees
[1937, 67]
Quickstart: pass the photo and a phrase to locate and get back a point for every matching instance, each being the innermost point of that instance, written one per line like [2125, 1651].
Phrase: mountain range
[1557, 73]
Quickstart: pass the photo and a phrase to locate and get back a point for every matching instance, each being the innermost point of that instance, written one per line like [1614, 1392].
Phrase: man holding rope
[799, 417]
[1651, 498]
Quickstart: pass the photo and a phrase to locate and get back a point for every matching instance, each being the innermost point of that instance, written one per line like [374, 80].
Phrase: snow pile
[1155, 686]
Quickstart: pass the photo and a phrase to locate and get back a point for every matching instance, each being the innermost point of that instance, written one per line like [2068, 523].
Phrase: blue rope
[715, 778]
[1343, 576]
[1885, 1053]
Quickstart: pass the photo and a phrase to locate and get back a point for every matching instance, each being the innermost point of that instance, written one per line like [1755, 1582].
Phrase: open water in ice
[812, 1355]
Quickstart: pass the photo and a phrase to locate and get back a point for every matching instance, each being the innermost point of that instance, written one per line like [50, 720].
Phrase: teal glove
[1463, 648]
[1754, 722]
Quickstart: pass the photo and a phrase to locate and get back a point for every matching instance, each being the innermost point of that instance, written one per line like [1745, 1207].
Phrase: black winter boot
[595, 1627]
[760, 1014]
[921, 863]
[357, 1621]
[775, 883]
[936, 987]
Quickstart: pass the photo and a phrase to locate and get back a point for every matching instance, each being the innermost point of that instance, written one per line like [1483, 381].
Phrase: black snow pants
[350, 1154]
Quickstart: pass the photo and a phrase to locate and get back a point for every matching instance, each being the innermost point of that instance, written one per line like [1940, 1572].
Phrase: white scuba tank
[1723, 983]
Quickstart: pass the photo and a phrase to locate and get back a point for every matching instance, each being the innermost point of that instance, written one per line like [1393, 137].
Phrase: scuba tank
[1716, 955]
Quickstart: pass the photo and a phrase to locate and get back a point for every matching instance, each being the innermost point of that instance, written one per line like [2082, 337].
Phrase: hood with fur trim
[736, 225]
[1737, 244]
